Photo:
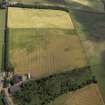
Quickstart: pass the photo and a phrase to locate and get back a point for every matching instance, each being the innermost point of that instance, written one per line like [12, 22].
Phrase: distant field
[39, 1]
[92, 34]
[43, 51]
[30, 18]
[93, 4]
[89, 95]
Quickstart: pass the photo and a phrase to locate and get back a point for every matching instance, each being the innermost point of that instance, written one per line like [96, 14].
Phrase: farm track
[38, 6]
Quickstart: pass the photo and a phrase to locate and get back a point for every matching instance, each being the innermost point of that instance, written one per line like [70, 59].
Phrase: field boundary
[40, 6]
[54, 7]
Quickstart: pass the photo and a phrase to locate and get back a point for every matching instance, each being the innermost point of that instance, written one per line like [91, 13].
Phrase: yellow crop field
[36, 18]
[89, 95]
[42, 48]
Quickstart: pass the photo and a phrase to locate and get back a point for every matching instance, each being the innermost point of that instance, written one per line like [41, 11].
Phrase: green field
[2, 24]
[40, 53]
[92, 5]
[91, 28]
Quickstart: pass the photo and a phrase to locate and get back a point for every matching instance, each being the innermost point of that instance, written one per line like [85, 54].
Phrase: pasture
[89, 95]
[91, 29]
[41, 50]
[96, 5]
[44, 52]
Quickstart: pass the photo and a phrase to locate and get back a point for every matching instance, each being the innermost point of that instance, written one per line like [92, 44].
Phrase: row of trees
[40, 6]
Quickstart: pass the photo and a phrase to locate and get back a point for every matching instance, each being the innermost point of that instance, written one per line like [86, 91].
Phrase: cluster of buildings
[16, 81]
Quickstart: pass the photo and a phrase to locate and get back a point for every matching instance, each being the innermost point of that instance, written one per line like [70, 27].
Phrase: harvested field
[89, 95]
[30, 18]
[44, 52]
[40, 48]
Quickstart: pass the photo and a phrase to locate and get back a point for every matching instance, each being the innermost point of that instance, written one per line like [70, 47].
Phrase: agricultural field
[90, 95]
[91, 31]
[2, 24]
[49, 49]
[90, 4]
[30, 18]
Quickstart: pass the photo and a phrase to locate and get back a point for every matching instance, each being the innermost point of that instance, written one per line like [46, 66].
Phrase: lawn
[43, 50]
[38, 18]
[90, 95]
[91, 29]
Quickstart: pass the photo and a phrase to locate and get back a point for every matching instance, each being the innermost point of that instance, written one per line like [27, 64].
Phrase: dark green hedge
[40, 6]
